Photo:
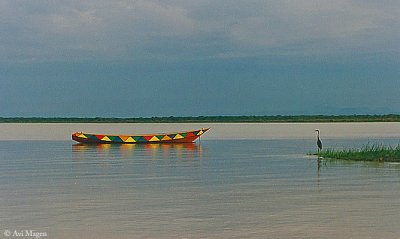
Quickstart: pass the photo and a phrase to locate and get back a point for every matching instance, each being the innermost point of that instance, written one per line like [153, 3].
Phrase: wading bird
[319, 143]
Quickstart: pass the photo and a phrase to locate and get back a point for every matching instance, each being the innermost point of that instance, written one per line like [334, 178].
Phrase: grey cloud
[142, 29]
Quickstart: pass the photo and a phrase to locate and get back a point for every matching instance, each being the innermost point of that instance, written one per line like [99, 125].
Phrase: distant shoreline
[211, 119]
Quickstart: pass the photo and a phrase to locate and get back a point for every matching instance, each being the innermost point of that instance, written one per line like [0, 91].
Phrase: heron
[319, 143]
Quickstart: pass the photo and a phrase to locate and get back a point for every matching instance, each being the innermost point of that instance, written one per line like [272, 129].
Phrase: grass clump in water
[374, 152]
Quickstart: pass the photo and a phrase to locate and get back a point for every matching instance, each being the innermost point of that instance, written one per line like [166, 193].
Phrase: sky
[144, 58]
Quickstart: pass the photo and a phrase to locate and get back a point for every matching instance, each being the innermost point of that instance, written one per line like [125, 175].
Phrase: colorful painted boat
[179, 137]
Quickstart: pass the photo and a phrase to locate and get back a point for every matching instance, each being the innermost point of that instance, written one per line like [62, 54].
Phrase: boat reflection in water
[137, 151]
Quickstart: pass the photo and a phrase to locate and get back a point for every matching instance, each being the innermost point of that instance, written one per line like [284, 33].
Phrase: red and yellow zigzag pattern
[180, 137]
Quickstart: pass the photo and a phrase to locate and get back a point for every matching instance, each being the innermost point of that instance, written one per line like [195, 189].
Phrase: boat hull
[179, 137]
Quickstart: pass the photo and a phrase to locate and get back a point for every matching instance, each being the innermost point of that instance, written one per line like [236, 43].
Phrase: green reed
[369, 152]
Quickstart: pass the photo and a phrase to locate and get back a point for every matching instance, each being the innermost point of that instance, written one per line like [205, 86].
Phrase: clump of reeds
[374, 152]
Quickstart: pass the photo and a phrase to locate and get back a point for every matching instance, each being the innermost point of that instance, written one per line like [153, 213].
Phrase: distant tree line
[211, 119]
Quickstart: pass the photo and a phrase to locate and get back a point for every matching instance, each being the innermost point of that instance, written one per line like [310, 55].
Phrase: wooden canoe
[178, 137]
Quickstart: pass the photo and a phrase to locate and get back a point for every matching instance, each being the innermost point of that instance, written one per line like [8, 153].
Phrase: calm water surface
[216, 189]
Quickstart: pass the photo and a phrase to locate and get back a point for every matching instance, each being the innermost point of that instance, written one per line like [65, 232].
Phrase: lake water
[220, 188]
